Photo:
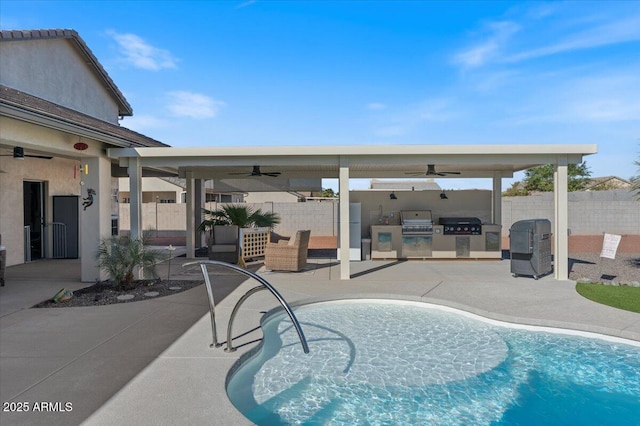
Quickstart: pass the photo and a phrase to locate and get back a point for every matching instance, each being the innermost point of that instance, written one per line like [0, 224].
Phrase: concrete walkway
[150, 362]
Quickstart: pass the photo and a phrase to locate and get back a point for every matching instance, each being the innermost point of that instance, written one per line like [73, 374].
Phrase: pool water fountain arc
[264, 285]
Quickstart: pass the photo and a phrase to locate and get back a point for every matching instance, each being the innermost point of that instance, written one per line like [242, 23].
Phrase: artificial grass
[621, 297]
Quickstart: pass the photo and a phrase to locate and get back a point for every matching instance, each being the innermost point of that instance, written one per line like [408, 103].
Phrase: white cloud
[140, 123]
[245, 4]
[416, 116]
[137, 52]
[376, 106]
[193, 105]
[490, 47]
[540, 31]
[588, 100]
[615, 32]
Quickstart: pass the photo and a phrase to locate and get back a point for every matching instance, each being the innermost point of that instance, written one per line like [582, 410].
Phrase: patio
[150, 362]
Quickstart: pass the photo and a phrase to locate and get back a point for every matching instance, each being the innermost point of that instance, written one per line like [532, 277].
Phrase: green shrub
[119, 258]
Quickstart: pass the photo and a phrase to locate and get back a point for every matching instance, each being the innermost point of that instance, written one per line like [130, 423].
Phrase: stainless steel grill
[416, 222]
[461, 225]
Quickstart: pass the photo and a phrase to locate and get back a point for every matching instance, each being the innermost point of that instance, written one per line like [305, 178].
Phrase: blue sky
[248, 73]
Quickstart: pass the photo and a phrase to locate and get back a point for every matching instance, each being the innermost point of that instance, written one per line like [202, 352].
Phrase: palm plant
[119, 259]
[241, 216]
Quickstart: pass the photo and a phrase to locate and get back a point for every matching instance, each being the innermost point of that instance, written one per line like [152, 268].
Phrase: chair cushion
[223, 248]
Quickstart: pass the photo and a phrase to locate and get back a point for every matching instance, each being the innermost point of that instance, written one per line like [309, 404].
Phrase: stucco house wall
[52, 70]
[56, 100]
[57, 175]
[266, 197]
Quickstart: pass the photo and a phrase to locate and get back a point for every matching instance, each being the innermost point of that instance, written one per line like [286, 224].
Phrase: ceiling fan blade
[271, 174]
[46, 157]
[450, 173]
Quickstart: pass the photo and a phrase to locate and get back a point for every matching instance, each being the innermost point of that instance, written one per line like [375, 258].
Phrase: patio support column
[135, 203]
[496, 211]
[561, 222]
[191, 200]
[95, 215]
[198, 205]
[135, 198]
[343, 187]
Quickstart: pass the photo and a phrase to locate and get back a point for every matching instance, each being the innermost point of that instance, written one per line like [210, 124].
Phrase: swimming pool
[406, 363]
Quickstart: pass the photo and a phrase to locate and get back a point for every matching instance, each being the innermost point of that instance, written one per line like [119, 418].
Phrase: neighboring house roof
[23, 101]
[181, 182]
[409, 185]
[610, 182]
[21, 35]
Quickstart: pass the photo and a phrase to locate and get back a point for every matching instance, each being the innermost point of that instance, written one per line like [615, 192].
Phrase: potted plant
[239, 217]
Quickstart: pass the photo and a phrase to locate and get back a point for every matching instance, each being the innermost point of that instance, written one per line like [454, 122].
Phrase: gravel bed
[624, 269]
[103, 293]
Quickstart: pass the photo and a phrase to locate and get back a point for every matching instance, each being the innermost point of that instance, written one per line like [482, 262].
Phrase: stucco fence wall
[319, 217]
[590, 215]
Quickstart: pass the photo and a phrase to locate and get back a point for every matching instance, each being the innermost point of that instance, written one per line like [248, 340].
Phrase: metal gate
[59, 240]
[27, 244]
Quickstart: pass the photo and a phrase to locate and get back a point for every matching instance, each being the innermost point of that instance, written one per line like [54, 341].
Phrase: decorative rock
[635, 284]
[584, 281]
[152, 294]
[125, 297]
[175, 288]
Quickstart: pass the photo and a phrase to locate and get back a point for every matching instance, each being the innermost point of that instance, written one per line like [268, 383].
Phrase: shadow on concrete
[378, 268]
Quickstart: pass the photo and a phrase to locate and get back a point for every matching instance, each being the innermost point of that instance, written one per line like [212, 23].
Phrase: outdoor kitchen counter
[483, 246]
[386, 243]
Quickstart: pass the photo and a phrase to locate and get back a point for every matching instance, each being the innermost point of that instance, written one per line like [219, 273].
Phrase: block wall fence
[590, 214]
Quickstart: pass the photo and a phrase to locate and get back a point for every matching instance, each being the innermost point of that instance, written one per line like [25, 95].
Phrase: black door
[65, 213]
[33, 218]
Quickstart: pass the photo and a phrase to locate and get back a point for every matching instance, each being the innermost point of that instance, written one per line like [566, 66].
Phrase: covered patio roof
[365, 161]
[360, 161]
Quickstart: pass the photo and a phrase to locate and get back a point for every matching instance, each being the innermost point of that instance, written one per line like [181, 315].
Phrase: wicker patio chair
[288, 255]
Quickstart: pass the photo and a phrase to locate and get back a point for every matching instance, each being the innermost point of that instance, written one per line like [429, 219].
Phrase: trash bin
[365, 249]
[530, 247]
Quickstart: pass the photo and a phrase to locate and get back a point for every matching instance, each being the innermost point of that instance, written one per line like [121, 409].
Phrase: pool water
[403, 363]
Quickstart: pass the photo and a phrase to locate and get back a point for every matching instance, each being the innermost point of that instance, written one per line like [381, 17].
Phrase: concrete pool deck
[150, 362]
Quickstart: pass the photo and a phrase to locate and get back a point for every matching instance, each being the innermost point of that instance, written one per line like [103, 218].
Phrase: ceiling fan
[431, 171]
[18, 154]
[256, 172]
